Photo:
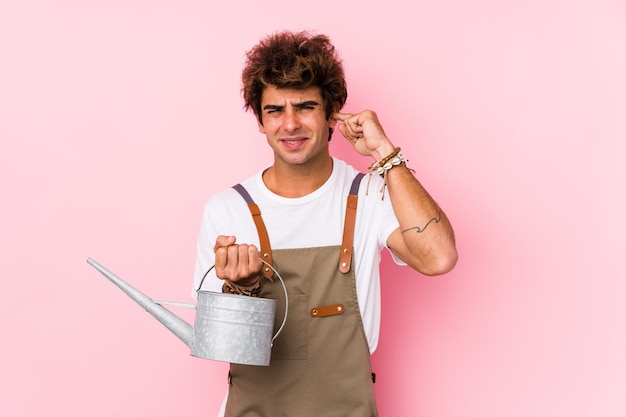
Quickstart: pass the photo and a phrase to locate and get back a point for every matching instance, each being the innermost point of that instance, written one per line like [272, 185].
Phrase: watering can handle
[282, 325]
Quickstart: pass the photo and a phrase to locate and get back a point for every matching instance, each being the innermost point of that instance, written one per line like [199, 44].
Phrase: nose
[291, 121]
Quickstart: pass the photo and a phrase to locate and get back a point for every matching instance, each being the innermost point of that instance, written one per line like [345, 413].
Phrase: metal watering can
[228, 327]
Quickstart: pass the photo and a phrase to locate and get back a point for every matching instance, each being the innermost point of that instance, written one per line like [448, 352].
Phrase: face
[295, 125]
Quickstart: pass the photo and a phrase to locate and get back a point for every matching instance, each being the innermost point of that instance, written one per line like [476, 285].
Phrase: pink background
[119, 118]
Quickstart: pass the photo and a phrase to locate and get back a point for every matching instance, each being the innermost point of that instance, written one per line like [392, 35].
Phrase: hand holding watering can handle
[284, 291]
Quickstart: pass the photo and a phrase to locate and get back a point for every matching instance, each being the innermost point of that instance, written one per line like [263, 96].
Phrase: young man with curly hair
[321, 228]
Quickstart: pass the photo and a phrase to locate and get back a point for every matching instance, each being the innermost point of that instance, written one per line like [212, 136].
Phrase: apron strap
[266, 249]
[345, 258]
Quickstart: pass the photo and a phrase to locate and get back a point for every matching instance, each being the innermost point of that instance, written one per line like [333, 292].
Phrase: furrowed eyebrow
[299, 106]
[273, 107]
[309, 103]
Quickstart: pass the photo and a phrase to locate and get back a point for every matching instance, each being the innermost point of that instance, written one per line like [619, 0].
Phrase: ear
[332, 122]
[260, 124]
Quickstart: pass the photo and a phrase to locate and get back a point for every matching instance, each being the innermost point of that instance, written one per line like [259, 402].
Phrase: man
[321, 228]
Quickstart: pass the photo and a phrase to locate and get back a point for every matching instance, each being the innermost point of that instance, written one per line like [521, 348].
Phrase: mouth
[293, 142]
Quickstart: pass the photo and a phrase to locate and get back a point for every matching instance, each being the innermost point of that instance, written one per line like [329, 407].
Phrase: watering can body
[231, 328]
[228, 327]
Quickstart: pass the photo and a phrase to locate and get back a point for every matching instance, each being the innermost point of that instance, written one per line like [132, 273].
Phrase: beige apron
[320, 364]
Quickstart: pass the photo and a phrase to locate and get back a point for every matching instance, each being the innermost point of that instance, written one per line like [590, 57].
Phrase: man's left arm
[425, 238]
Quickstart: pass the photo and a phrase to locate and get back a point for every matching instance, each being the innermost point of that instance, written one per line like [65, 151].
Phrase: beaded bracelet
[381, 167]
[384, 160]
[398, 159]
[232, 288]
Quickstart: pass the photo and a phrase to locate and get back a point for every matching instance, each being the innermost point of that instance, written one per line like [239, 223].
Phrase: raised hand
[365, 133]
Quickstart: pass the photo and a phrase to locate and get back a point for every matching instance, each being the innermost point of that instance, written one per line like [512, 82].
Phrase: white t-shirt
[314, 220]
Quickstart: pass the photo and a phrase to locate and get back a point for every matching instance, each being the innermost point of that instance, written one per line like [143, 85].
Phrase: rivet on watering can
[344, 265]
[315, 312]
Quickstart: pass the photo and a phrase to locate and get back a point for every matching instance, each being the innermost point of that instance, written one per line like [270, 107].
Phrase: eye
[273, 111]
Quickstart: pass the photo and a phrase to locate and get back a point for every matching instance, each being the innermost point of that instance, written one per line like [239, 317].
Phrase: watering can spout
[178, 326]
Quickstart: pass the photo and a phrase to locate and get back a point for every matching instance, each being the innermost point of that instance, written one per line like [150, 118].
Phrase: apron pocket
[292, 340]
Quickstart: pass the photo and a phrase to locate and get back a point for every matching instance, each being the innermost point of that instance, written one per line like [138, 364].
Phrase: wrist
[384, 165]
[382, 151]
[248, 282]
[252, 290]
[381, 166]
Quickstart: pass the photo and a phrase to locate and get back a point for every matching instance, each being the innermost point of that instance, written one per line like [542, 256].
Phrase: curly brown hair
[294, 60]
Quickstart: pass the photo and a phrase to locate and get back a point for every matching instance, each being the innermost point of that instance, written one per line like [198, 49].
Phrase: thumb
[223, 241]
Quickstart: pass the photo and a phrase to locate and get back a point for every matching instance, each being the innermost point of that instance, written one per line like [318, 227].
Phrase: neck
[293, 181]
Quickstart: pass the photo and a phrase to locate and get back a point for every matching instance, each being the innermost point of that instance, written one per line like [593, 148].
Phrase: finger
[247, 269]
[231, 270]
[350, 131]
[254, 259]
[344, 131]
[222, 243]
[351, 120]
[241, 269]
[341, 116]
[221, 261]
[249, 262]
[357, 131]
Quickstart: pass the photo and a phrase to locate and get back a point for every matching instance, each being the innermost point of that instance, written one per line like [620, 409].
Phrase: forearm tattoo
[421, 229]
